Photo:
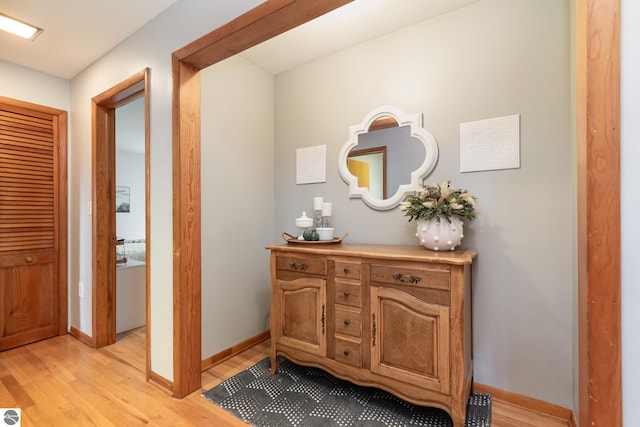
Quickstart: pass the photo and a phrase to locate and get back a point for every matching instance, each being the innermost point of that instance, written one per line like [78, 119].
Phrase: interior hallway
[61, 381]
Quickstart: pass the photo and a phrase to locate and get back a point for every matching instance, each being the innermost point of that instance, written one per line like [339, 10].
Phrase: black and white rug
[306, 397]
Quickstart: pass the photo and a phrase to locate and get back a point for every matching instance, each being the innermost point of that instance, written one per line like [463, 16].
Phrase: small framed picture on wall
[122, 199]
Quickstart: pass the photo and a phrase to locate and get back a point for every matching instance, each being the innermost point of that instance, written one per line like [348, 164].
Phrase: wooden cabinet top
[396, 252]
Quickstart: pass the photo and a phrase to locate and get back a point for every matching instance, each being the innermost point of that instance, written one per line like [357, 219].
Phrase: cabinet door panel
[410, 339]
[300, 311]
[27, 302]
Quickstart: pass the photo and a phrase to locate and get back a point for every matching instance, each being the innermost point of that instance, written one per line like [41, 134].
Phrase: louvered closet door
[28, 232]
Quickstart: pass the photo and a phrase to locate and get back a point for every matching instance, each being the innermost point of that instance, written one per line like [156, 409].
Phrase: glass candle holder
[317, 219]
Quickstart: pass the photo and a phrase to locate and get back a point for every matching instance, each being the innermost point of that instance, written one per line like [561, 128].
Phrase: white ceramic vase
[440, 235]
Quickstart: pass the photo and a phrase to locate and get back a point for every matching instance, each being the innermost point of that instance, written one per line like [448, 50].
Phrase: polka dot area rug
[300, 396]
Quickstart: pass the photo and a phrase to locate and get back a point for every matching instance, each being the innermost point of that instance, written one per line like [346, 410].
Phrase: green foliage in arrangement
[439, 201]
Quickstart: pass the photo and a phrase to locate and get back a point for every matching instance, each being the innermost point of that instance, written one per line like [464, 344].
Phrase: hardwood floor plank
[55, 403]
[48, 406]
[61, 381]
[508, 415]
[16, 392]
[130, 348]
[15, 363]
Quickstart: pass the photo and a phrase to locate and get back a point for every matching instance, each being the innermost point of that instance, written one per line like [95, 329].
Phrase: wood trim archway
[598, 92]
[259, 24]
[104, 217]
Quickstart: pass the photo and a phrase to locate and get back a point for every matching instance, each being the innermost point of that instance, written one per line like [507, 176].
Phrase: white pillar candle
[317, 203]
[326, 209]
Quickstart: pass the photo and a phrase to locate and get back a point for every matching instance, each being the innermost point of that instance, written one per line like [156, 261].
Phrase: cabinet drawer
[348, 322]
[348, 294]
[348, 351]
[347, 270]
[428, 277]
[302, 265]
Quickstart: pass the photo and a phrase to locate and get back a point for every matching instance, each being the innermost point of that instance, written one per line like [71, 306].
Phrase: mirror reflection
[369, 166]
[387, 157]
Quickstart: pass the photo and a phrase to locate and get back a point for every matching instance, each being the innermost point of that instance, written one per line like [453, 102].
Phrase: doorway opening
[120, 250]
[130, 305]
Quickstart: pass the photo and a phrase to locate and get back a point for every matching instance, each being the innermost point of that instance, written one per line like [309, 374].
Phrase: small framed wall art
[123, 199]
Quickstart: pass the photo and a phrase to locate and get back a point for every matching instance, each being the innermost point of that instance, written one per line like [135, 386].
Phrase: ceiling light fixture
[19, 28]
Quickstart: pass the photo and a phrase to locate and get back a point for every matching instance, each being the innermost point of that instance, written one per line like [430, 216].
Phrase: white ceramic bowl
[325, 233]
[304, 221]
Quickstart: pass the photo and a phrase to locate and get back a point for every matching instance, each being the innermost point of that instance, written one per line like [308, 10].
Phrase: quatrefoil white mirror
[387, 157]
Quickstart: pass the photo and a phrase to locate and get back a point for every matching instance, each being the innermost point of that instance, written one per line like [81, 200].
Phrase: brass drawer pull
[28, 259]
[346, 352]
[346, 270]
[404, 278]
[346, 294]
[346, 322]
[295, 266]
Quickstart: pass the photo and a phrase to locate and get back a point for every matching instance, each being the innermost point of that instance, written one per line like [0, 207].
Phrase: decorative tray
[294, 240]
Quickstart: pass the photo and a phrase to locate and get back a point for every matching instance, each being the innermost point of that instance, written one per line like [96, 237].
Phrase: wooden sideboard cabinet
[393, 317]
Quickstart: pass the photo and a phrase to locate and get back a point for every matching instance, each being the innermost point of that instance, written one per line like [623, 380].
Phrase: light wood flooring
[61, 381]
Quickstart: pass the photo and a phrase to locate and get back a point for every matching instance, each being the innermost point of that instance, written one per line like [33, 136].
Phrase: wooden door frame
[599, 243]
[103, 163]
[598, 169]
[60, 124]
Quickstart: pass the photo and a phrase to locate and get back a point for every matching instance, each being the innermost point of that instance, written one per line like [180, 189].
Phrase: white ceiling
[352, 24]
[78, 32]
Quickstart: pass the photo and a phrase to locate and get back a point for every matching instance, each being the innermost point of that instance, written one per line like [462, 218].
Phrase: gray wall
[237, 202]
[33, 86]
[488, 59]
[151, 46]
[130, 168]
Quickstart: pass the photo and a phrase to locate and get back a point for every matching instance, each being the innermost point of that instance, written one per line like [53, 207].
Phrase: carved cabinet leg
[274, 360]
[458, 417]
